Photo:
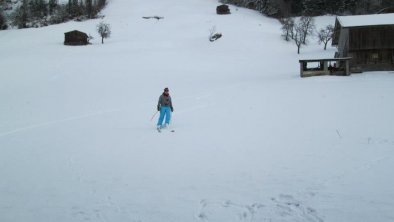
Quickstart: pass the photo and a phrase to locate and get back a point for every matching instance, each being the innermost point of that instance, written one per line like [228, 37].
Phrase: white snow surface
[366, 20]
[253, 141]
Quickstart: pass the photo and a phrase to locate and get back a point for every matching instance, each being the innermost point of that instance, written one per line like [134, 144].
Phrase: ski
[159, 130]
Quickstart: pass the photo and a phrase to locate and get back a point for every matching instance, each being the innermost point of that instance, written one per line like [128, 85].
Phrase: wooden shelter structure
[320, 67]
[222, 10]
[368, 39]
[75, 38]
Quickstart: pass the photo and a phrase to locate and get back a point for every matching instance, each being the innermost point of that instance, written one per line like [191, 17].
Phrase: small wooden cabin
[367, 39]
[75, 38]
[222, 10]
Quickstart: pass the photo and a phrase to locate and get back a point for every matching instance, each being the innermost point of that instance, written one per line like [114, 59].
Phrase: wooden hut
[75, 38]
[222, 10]
[367, 39]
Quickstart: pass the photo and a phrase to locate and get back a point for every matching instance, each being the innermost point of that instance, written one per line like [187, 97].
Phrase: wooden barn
[367, 39]
[75, 38]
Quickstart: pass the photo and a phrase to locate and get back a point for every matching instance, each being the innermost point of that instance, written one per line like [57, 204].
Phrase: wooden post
[347, 68]
[326, 68]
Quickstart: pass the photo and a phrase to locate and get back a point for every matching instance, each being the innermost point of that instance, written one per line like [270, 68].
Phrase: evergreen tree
[20, 16]
[296, 7]
[349, 6]
[313, 7]
[101, 4]
[52, 4]
[60, 14]
[43, 7]
[69, 7]
[387, 3]
[341, 7]
[3, 21]
[269, 7]
[38, 8]
[334, 7]
[89, 8]
[288, 8]
[34, 12]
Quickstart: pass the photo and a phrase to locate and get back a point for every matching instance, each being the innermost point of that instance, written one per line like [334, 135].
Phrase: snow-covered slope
[252, 141]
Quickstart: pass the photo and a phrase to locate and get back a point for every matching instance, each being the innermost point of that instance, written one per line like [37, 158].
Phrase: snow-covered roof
[366, 20]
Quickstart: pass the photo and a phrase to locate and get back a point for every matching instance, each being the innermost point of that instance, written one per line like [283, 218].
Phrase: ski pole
[154, 115]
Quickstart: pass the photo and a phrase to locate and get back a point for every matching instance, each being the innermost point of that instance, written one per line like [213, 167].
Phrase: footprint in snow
[284, 208]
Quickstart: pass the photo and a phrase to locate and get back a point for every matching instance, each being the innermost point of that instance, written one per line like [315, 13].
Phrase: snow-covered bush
[104, 31]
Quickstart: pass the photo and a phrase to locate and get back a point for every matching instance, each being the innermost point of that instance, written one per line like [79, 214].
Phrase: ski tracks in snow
[284, 208]
[104, 210]
[54, 122]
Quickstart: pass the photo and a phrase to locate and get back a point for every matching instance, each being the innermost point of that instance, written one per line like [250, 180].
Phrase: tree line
[289, 8]
[37, 13]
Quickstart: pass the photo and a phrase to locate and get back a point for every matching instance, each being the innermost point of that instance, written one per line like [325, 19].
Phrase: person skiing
[165, 107]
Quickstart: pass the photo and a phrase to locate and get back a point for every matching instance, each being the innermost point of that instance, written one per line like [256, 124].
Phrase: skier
[165, 108]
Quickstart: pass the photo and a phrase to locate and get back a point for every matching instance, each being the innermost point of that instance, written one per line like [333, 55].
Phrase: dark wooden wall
[372, 48]
[376, 37]
[75, 38]
[373, 57]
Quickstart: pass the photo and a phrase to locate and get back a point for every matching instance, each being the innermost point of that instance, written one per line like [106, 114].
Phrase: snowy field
[252, 142]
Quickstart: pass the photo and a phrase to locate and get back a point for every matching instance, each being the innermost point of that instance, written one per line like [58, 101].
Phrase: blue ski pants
[165, 111]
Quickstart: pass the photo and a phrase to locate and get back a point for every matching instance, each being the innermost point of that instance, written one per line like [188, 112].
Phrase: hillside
[252, 142]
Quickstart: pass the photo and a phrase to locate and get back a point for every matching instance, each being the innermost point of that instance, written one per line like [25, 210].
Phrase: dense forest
[37, 13]
[288, 8]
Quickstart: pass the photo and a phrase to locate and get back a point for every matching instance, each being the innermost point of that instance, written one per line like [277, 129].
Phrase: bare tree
[287, 28]
[307, 25]
[325, 35]
[294, 31]
[299, 37]
[104, 30]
